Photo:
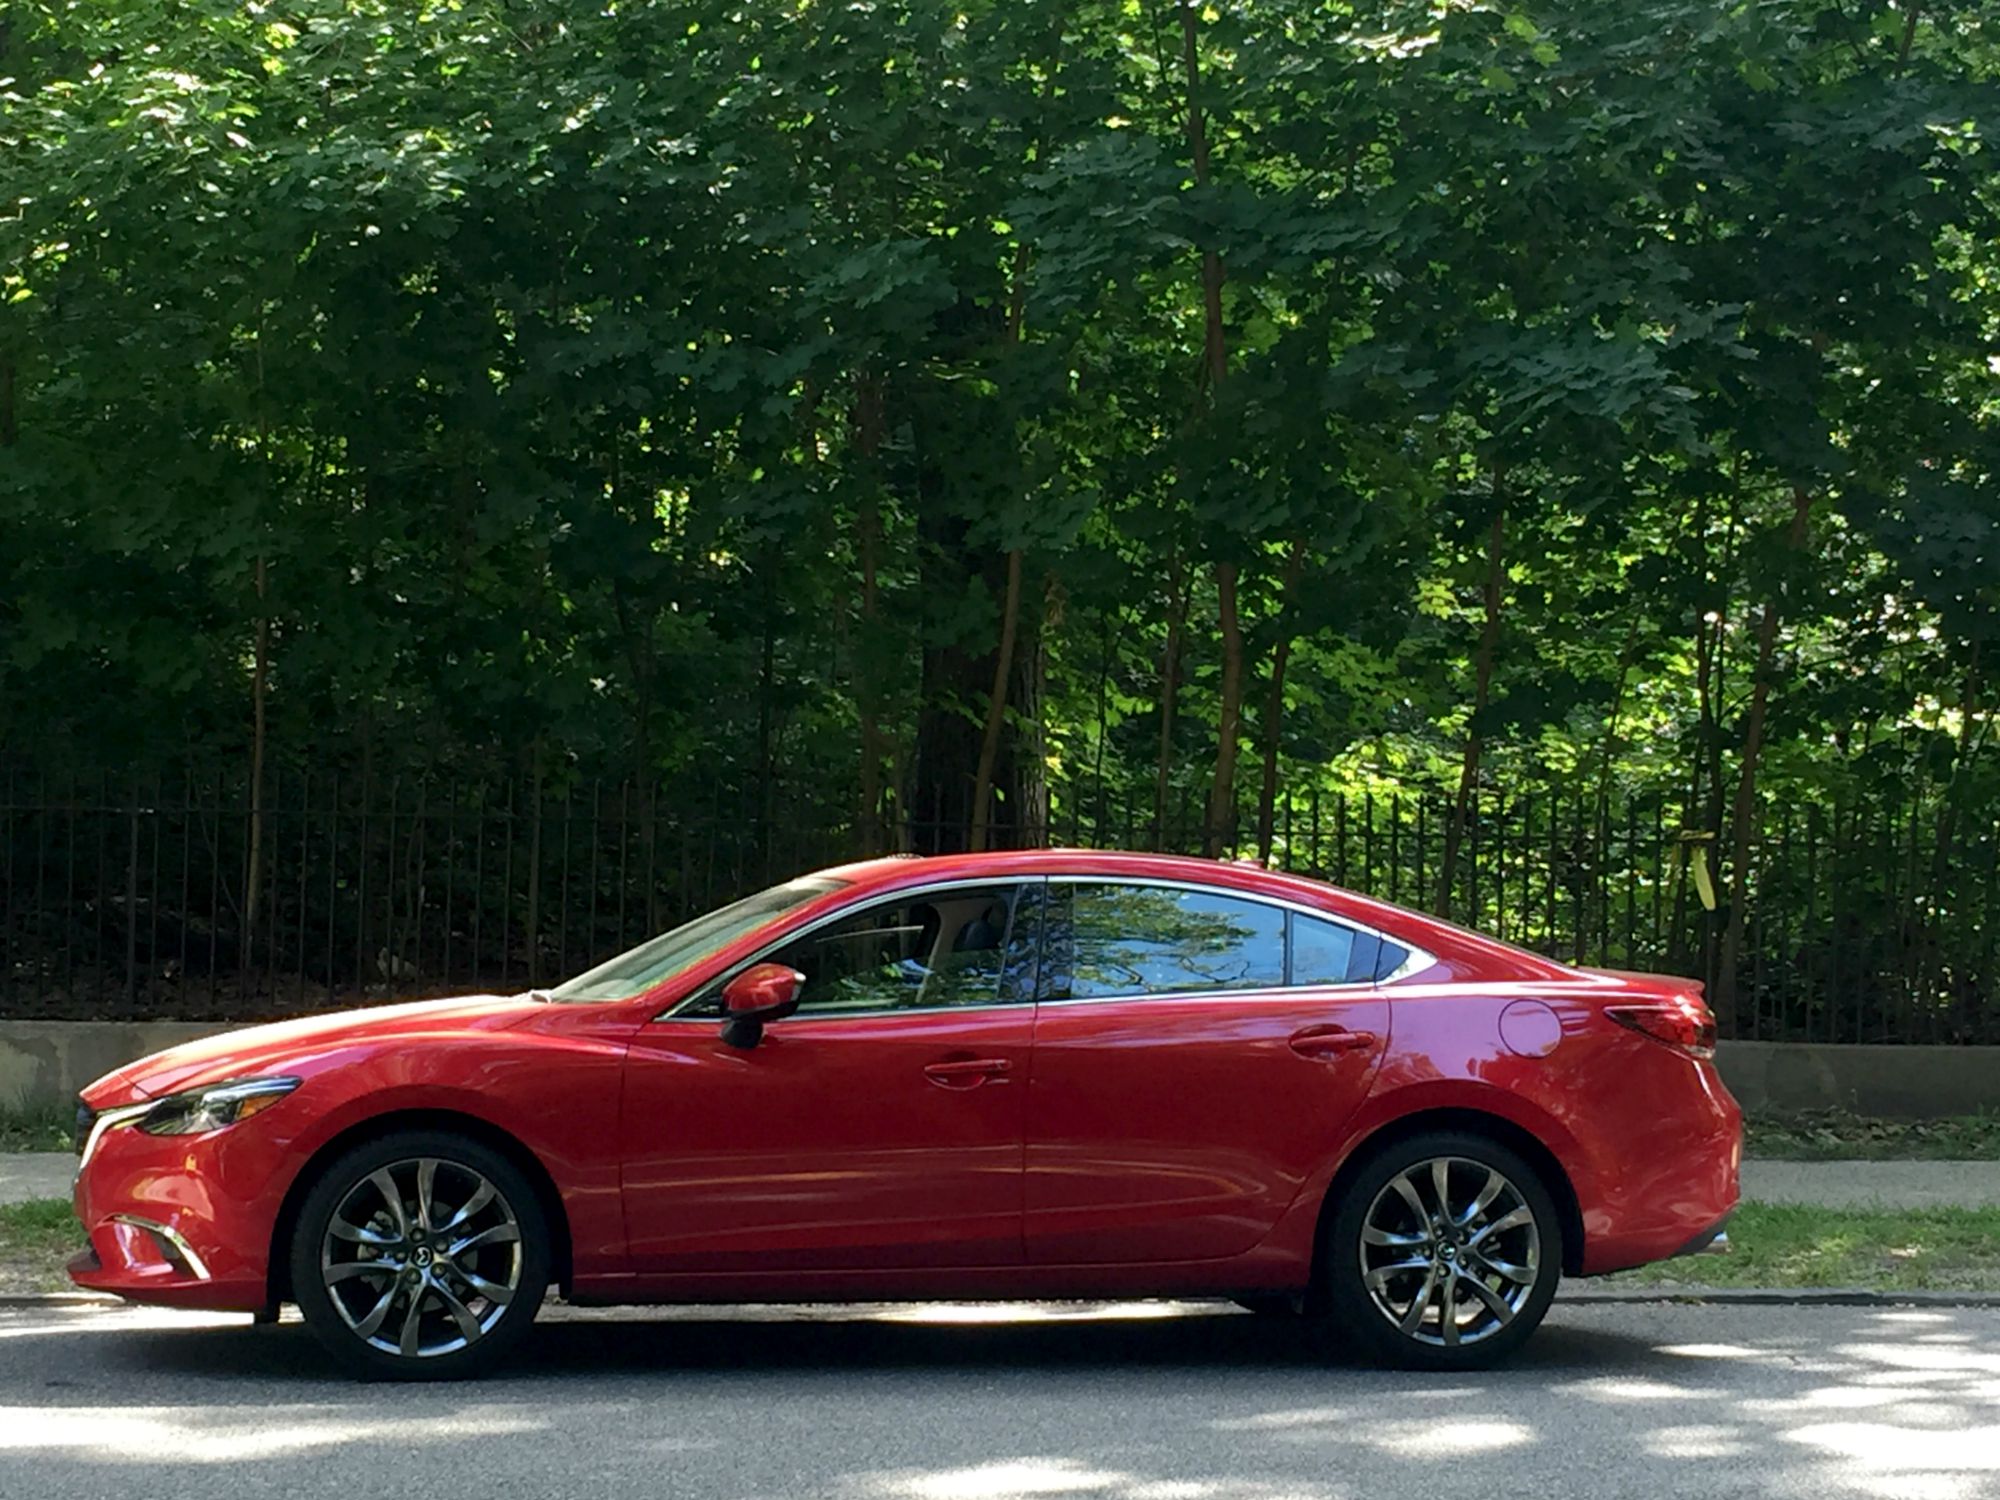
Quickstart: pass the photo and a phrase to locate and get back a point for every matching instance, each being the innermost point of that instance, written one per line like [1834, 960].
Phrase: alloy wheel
[1450, 1251]
[422, 1257]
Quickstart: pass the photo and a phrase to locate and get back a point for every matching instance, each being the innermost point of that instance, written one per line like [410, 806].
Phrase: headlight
[211, 1108]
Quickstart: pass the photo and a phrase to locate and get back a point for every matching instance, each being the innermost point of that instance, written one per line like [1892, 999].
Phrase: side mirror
[761, 993]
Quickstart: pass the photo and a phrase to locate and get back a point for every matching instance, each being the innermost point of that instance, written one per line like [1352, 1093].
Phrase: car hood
[255, 1049]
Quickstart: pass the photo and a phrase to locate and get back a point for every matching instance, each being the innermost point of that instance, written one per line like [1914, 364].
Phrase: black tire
[1478, 1336]
[515, 1271]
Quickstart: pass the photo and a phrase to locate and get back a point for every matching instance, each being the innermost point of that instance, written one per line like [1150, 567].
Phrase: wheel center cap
[423, 1255]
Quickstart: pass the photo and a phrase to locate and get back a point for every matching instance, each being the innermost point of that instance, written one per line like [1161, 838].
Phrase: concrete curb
[1815, 1296]
[59, 1299]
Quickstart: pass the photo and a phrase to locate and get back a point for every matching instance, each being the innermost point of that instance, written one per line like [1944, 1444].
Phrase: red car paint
[1126, 1147]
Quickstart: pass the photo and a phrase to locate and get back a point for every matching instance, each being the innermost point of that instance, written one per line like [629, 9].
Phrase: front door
[879, 1127]
[1196, 1053]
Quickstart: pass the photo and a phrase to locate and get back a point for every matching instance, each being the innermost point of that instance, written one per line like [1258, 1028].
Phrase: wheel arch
[278, 1275]
[1497, 1128]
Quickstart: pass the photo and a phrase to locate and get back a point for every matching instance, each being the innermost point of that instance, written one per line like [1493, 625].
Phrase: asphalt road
[1652, 1401]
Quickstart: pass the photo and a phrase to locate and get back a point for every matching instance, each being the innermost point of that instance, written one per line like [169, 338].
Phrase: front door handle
[968, 1072]
[1331, 1041]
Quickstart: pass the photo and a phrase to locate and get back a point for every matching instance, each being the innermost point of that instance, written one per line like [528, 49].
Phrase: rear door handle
[968, 1072]
[1331, 1041]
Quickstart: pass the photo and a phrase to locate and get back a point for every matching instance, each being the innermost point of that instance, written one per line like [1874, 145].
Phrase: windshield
[670, 953]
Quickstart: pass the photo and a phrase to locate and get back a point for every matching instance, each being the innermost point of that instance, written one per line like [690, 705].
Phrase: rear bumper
[1673, 1194]
[1713, 1241]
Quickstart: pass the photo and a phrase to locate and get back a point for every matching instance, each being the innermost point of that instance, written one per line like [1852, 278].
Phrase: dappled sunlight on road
[194, 1435]
[1147, 1401]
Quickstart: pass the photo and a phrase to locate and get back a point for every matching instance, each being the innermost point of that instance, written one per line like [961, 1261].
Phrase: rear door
[1196, 1052]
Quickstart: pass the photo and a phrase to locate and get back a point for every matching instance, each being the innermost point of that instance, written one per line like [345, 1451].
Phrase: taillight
[1681, 1023]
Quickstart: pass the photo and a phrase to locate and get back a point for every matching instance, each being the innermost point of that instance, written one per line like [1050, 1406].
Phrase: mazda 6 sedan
[1025, 1075]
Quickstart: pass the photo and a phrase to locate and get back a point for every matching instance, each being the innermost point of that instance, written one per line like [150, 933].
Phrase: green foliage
[571, 376]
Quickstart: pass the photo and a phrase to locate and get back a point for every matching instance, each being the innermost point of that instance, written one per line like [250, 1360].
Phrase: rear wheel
[420, 1256]
[1444, 1253]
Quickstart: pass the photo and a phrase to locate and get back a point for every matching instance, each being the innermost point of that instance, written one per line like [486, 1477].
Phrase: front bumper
[182, 1221]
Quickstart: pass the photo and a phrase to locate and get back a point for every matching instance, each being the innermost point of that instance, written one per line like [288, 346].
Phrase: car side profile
[1046, 1073]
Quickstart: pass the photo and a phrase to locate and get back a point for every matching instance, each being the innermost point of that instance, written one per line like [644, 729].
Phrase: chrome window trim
[1416, 959]
[673, 1013]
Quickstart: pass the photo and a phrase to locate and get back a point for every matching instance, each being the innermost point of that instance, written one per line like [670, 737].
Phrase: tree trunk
[253, 861]
[1743, 815]
[1222, 795]
[1274, 703]
[1010, 609]
[1178, 591]
[869, 423]
[1215, 365]
[996, 703]
[1027, 779]
[1482, 688]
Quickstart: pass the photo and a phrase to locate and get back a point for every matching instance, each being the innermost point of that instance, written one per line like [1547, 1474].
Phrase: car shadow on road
[572, 1345]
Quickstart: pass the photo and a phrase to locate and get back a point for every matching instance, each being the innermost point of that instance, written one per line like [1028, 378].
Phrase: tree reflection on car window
[931, 950]
[1119, 939]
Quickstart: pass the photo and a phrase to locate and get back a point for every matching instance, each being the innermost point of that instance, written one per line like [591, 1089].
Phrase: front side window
[928, 950]
[1114, 940]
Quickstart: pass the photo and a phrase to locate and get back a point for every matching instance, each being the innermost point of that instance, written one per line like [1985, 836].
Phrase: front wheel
[1443, 1254]
[420, 1256]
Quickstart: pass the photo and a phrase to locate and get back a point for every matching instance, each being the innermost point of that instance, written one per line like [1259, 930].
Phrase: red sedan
[1046, 1074]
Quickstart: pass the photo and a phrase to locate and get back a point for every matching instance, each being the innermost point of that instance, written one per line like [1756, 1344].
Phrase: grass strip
[35, 1239]
[1776, 1245]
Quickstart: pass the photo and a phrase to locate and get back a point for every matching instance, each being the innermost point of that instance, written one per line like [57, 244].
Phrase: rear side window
[1108, 941]
[1326, 952]
[1392, 957]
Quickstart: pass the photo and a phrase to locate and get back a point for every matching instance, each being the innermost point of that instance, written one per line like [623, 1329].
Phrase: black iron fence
[172, 899]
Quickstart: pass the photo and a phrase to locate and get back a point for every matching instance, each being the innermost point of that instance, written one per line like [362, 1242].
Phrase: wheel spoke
[1448, 1309]
[1373, 1236]
[1379, 1277]
[393, 1197]
[1522, 1275]
[357, 1234]
[1413, 1318]
[499, 1234]
[347, 1270]
[1494, 1186]
[1441, 1185]
[427, 1170]
[1495, 1303]
[1407, 1190]
[369, 1326]
[462, 1315]
[407, 1345]
[481, 1196]
[492, 1291]
[1514, 1220]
